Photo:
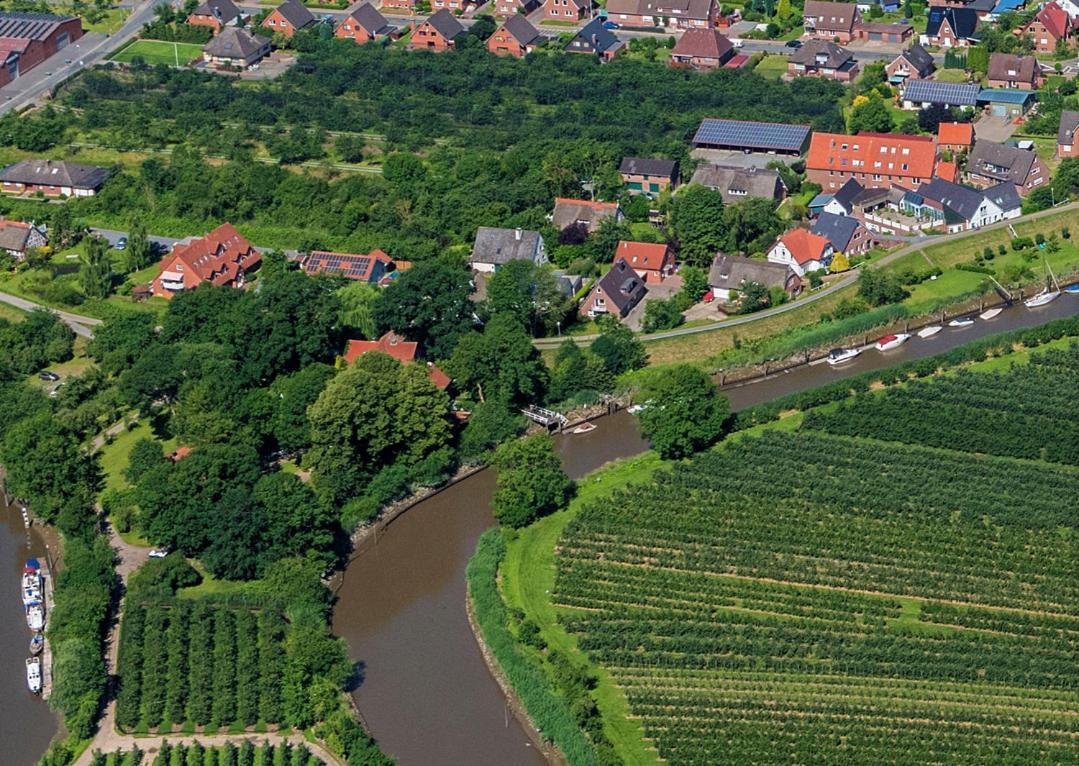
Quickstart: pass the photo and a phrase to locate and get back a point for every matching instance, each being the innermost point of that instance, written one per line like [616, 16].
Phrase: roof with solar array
[764, 136]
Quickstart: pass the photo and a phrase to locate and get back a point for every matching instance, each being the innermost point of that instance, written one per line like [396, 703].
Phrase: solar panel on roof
[751, 135]
[958, 94]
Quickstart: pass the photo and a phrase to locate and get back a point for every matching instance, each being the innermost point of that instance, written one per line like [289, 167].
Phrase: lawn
[773, 66]
[951, 75]
[158, 52]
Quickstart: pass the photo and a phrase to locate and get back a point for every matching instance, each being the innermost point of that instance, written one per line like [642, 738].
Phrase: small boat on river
[1072, 289]
[929, 332]
[584, 428]
[990, 313]
[961, 322]
[889, 342]
[35, 617]
[838, 356]
[33, 674]
[31, 588]
[37, 643]
[1049, 293]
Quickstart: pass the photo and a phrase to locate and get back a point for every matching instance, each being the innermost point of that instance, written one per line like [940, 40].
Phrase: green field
[773, 66]
[158, 52]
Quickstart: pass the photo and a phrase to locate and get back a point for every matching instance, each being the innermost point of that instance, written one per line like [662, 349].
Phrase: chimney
[517, 234]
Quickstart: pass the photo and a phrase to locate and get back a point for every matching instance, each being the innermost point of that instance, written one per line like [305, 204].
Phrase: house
[1067, 146]
[402, 350]
[596, 40]
[921, 94]
[16, 237]
[516, 37]
[223, 258]
[364, 24]
[802, 250]
[648, 176]
[409, 6]
[583, 213]
[1007, 102]
[702, 49]
[990, 164]
[368, 268]
[900, 32]
[737, 183]
[955, 136]
[670, 14]
[913, 63]
[514, 7]
[28, 38]
[1010, 71]
[566, 10]
[845, 234]
[949, 171]
[652, 262]
[437, 33]
[842, 201]
[217, 14]
[289, 18]
[731, 273]
[616, 293]
[494, 248]
[236, 48]
[747, 136]
[950, 27]
[960, 208]
[1049, 27]
[874, 159]
[830, 21]
[454, 6]
[52, 179]
[822, 58]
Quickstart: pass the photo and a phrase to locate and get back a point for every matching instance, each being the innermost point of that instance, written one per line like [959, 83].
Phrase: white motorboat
[33, 674]
[929, 332]
[635, 409]
[1049, 293]
[35, 617]
[889, 342]
[37, 644]
[1072, 290]
[838, 356]
[584, 428]
[961, 322]
[31, 588]
[990, 313]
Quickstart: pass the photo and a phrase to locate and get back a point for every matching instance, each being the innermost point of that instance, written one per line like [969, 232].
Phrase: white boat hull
[990, 314]
[963, 322]
[849, 356]
[894, 343]
[35, 617]
[1041, 299]
[929, 332]
[33, 675]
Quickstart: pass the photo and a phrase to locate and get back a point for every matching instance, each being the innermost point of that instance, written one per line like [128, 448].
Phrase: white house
[496, 247]
[802, 250]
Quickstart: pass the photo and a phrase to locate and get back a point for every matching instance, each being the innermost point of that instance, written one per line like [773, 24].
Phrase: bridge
[546, 418]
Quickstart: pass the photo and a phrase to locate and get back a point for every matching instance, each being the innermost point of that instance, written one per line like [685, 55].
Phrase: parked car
[795, 44]
[738, 43]
[52, 377]
[121, 244]
[610, 25]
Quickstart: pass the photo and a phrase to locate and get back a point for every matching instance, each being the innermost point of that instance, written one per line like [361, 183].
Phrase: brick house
[236, 48]
[583, 213]
[648, 176]
[27, 39]
[452, 5]
[217, 14]
[802, 250]
[950, 27]
[566, 10]
[884, 33]
[669, 14]
[990, 164]
[616, 293]
[368, 268]
[289, 18]
[16, 237]
[875, 160]
[364, 24]
[830, 21]
[702, 49]
[1067, 146]
[514, 7]
[223, 258]
[516, 37]
[824, 59]
[652, 262]
[731, 273]
[437, 33]
[846, 235]
[955, 136]
[1009, 71]
[52, 179]
[404, 351]
[596, 40]
[399, 5]
[1051, 25]
[914, 63]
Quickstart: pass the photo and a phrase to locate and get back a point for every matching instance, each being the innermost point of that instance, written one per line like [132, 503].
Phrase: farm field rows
[244, 753]
[805, 597]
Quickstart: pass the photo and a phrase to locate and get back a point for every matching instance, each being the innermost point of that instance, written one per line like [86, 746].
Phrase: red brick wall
[350, 30]
[426, 37]
[562, 9]
[275, 22]
[205, 21]
[830, 183]
[502, 43]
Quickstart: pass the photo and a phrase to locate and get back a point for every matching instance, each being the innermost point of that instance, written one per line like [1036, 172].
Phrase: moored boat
[961, 322]
[838, 356]
[584, 428]
[37, 643]
[35, 617]
[990, 313]
[1072, 289]
[31, 588]
[889, 342]
[1049, 293]
[33, 674]
[929, 332]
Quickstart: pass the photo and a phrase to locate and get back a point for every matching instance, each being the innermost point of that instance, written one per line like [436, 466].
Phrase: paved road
[112, 236]
[80, 324]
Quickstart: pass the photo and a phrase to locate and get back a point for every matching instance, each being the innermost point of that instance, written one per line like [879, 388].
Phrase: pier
[46, 653]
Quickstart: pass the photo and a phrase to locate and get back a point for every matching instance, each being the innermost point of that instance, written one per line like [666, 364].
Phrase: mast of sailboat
[1056, 285]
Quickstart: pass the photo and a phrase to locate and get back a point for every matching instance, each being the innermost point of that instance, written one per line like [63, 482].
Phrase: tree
[697, 221]
[140, 251]
[694, 285]
[616, 346]
[1039, 199]
[357, 308]
[662, 314]
[428, 304]
[751, 225]
[871, 116]
[95, 271]
[684, 411]
[349, 147]
[291, 395]
[119, 341]
[839, 264]
[603, 242]
[1066, 178]
[531, 482]
[500, 362]
[145, 456]
[879, 289]
[531, 294]
[491, 423]
[930, 118]
[755, 297]
[978, 59]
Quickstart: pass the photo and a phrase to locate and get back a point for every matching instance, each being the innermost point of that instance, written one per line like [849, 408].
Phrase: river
[426, 693]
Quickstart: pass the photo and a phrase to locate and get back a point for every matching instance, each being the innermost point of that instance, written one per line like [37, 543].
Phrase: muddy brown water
[427, 695]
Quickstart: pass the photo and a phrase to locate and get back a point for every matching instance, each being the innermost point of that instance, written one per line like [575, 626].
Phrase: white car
[159, 553]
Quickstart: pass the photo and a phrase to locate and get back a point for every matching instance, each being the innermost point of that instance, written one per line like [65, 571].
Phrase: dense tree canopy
[531, 482]
[684, 411]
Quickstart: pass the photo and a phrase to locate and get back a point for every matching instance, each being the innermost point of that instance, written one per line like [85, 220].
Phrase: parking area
[740, 159]
[994, 128]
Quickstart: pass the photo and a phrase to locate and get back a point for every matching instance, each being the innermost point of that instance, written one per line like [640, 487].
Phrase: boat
[838, 356]
[990, 313]
[32, 565]
[889, 342]
[33, 674]
[35, 617]
[961, 322]
[635, 409]
[929, 332]
[1047, 295]
[1072, 289]
[31, 588]
[584, 428]
[37, 643]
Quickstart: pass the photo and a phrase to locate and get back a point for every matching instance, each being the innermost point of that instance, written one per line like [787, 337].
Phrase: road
[85, 52]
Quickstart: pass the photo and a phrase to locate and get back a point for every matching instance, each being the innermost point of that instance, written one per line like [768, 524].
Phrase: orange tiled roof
[873, 153]
[216, 258]
[586, 203]
[391, 343]
[644, 255]
[956, 133]
[804, 245]
[948, 171]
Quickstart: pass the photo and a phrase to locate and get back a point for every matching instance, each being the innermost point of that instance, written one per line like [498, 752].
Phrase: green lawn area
[108, 24]
[210, 585]
[158, 52]
[773, 66]
[950, 75]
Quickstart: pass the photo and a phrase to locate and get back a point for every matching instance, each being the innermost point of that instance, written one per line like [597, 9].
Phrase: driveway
[995, 129]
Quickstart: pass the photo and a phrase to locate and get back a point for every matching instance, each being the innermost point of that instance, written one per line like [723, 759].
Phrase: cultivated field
[838, 599]
[158, 52]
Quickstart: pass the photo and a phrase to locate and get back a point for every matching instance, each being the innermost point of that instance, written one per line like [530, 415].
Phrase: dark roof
[368, 17]
[949, 93]
[595, 38]
[13, 235]
[29, 26]
[648, 167]
[445, 24]
[961, 200]
[1006, 196]
[296, 13]
[731, 272]
[1000, 161]
[500, 246]
[831, 16]
[763, 136]
[919, 58]
[702, 44]
[847, 192]
[738, 183]
[1069, 121]
[235, 43]
[1007, 66]
[963, 21]
[622, 287]
[521, 29]
[54, 174]
[833, 56]
[837, 229]
[223, 10]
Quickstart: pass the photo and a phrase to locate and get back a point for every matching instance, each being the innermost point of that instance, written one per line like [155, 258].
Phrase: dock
[46, 653]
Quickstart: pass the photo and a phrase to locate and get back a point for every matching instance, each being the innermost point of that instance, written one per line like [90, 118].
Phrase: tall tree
[531, 482]
[500, 362]
[617, 347]
[140, 251]
[684, 411]
[428, 304]
[95, 271]
[697, 220]
[530, 293]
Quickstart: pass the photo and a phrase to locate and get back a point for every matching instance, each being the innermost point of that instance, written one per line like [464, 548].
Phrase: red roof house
[363, 268]
[402, 350]
[875, 160]
[955, 136]
[652, 262]
[1048, 27]
[223, 258]
[802, 250]
[702, 49]
[948, 171]
[289, 18]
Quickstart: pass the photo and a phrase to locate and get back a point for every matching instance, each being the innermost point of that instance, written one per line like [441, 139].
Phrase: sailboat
[1046, 295]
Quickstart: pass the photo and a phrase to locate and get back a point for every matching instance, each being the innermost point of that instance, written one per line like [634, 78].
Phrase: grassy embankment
[154, 52]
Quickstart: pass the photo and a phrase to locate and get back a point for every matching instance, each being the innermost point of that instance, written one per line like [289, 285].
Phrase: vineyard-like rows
[245, 754]
[203, 664]
[813, 598]
[1028, 411]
